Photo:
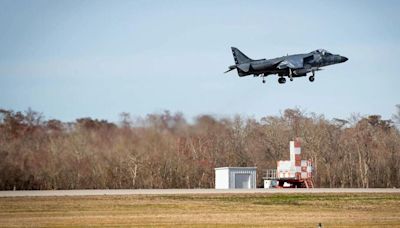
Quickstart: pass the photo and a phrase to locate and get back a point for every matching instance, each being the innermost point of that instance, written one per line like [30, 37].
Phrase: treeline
[166, 151]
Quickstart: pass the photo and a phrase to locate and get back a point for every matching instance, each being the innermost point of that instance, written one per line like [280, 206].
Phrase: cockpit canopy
[323, 52]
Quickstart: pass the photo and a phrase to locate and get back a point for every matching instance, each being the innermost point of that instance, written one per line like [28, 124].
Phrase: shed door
[242, 180]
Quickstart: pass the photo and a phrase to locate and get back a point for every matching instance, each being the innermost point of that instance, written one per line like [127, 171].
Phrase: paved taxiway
[99, 192]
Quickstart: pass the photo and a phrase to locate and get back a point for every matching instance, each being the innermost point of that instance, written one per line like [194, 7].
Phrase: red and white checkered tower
[295, 168]
[302, 168]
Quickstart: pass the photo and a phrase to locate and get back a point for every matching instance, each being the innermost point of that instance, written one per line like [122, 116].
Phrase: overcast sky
[71, 59]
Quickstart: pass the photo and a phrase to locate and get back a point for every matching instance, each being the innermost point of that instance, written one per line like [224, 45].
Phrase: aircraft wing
[294, 62]
[291, 63]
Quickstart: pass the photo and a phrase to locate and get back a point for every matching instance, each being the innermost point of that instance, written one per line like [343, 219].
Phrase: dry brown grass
[277, 210]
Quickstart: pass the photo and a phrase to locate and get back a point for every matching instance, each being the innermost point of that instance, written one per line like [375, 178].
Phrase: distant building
[235, 177]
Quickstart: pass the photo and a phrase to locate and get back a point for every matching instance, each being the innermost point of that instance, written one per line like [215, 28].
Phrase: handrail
[270, 174]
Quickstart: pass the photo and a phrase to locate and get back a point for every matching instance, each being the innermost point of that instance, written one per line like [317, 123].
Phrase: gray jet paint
[291, 66]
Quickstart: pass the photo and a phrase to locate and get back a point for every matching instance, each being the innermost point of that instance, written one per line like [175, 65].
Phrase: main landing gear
[282, 80]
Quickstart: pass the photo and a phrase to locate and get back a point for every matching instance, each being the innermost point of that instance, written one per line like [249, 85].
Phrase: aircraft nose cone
[344, 59]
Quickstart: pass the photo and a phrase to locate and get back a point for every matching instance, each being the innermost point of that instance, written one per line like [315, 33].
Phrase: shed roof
[236, 168]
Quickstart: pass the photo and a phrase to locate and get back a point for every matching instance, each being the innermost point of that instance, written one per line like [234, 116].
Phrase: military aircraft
[291, 66]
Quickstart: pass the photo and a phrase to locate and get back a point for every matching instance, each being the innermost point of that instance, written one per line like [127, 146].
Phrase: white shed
[235, 177]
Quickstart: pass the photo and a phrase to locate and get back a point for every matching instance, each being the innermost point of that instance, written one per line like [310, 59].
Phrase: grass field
[275, 210]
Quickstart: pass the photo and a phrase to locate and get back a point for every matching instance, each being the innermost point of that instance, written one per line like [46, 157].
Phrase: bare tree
[163, 150]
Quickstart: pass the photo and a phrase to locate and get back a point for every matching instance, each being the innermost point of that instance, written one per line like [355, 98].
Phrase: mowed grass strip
[278, 210]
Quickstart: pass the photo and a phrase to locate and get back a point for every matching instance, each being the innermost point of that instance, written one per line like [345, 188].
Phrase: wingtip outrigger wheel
[263, 80]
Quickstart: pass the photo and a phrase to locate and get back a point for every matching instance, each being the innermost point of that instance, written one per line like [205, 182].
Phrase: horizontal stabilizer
[230, 68]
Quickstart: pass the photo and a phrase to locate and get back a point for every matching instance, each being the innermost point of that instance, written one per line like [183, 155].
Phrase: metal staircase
[309, 183]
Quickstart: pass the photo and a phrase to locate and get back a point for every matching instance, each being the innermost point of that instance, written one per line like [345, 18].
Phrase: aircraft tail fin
[239, 56]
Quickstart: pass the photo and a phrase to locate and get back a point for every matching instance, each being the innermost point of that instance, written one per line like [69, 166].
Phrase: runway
[114, 192]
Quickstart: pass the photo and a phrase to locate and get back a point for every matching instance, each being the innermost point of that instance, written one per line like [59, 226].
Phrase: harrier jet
[291, 66]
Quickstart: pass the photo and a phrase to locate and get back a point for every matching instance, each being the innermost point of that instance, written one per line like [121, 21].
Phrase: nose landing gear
[311, 78]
